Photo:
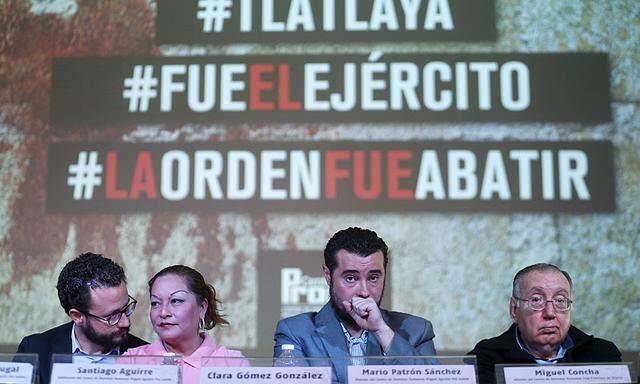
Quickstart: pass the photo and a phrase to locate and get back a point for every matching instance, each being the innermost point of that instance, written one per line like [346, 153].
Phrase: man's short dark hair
[540, 267]
[84, 273]
[359, 241]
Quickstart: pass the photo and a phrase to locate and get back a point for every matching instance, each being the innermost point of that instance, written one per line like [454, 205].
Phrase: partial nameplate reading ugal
[16, 373]
[458, 373]
[313, 21]
[266, 375]
[568, 374]
[114, 373]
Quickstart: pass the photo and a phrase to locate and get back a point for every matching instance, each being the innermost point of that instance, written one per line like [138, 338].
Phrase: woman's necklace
[171, 351]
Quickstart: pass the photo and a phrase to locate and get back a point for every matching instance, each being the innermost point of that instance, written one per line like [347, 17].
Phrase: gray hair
[540, 267]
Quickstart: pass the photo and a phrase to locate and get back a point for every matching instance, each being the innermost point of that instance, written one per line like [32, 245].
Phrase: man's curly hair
[359, 241]
[86, 272]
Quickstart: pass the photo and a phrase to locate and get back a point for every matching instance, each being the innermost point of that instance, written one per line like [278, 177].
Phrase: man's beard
[108, 341]
[344, 316]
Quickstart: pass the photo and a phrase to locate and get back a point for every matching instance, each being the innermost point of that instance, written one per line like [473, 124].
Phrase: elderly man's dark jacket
[504, 349]
[58, 341]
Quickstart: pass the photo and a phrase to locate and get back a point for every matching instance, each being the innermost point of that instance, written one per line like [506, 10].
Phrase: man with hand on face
[92, 290]
[541, 332]
[352, 323]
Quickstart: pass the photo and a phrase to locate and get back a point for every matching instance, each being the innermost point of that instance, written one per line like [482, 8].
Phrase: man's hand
[367, 315]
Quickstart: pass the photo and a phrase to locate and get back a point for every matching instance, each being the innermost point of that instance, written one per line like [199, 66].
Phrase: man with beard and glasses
[352, 324]
[92, 290]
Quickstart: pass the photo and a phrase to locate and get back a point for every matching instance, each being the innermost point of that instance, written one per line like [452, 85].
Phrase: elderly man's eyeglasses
[115, 318]
[538, 302]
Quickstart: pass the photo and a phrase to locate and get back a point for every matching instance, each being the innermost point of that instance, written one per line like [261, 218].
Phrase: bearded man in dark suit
[93, 292]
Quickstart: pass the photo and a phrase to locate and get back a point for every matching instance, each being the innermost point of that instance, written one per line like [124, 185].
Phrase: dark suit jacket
[319, 334]
[504, 349]
[57, 340]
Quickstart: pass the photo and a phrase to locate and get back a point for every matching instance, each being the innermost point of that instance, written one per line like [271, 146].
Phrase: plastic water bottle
[287, 358]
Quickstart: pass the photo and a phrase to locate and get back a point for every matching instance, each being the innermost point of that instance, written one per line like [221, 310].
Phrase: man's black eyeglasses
[115, 318]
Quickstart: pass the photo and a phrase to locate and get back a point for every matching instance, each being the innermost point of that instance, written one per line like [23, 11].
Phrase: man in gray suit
[352, 322]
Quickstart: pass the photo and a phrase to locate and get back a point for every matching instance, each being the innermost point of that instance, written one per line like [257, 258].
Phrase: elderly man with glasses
[541, 332]
[92, 290]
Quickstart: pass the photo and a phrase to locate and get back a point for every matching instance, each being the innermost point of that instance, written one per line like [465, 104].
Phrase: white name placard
[18, 373]
[578, 374]
[265, 375]
[114, 373]
[411, 373]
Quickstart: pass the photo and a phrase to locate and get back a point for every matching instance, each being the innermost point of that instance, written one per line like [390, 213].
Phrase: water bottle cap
[288, 347]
